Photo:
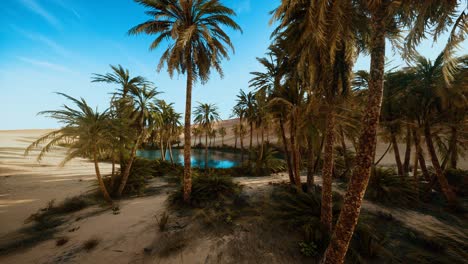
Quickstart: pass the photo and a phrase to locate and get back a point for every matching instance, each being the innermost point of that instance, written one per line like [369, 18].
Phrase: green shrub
[207, 190]
[388, 188]
[162, 221]
[458, 180]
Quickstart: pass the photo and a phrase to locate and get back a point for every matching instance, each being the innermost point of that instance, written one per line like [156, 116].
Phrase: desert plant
[162, 221]
[387, 187]
[91, 244]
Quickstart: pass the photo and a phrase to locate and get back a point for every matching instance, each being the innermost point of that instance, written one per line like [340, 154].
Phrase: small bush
[388, 188]
[162, 221]
[308, 249]
[207, 190]
[69, 205]
[171, 243]
[458, 180]
[90, 244]
[61, 241]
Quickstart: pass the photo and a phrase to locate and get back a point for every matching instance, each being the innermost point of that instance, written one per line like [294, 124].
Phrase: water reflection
[216, 158]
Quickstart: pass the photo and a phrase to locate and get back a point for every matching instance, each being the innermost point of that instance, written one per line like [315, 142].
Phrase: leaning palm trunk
[396, 151]
[261, 148]
[351, 209]
[102, 186]
[128, 166]
[188, 112]
[420, 156]
[452, 154]
[286, 152]
[295, 154]
[161, 146]
[327, 173]
[406, 163]
[169, 147]
[444, 185]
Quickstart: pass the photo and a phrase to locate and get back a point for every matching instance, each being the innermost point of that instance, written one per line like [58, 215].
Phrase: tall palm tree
[198, 43]
[205, 116]
[419, 17]
[239, 111]
[85, 129]
[247, 102]
[222, 133]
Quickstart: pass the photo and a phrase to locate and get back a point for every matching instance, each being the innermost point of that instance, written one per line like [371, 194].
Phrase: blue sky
[51, 46]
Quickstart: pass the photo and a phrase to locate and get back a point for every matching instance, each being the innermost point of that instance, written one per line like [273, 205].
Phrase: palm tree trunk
[188, 113]
[357, 185]
[235, 141]
[128, 167]
[406, 163]
[286, 152]
[454, 152]
[345, 153]
[327, 173]
[163, 155]
[206, 152]
[261, 148]
[396, 151]
[444, 185]
[319, 156]
[251, 137]
[420, 155]
[295, 154]
[169, 147]
[102, 186]
[241, 136]
[310, 166]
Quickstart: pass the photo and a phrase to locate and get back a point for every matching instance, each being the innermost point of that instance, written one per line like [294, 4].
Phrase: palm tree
[247, 102]
[235, 131]
[85, 129]
[141, 98]
[199, 44]
[121, 77]
[205, 116]
[418, 17]
[222, 133]
[239, 110]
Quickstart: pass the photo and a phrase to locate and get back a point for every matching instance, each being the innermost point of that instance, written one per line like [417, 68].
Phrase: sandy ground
[26, 186]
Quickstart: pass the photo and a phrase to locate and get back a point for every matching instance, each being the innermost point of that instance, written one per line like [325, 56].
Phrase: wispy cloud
[41, 11]
[243, 6]
[46, 65]
[57, 48]
[68, 7]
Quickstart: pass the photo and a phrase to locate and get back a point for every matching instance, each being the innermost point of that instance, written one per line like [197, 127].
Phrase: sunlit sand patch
[7, 203]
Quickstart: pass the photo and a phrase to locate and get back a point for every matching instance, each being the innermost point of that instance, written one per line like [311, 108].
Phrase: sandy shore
[26, 186]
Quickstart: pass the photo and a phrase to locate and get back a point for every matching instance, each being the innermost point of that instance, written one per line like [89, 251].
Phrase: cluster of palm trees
[135, 117]
[315, 46]
[307, 91]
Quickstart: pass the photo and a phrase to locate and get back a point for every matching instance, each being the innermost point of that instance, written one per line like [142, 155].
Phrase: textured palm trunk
[102, 186]
[235, 141]
[349, 215]
[241, 137]
[396, 151]
[295, 155]
[327, 173]
[206, 151]
[420, 155]
[187, 126]
[319, 156]
[452, 154]
[286, 152]
[128, 167]
[406, 163]
[444, 185]
[169, 147]
[310, 166]
[345, 153]
[163, 155]
[262, 143]
[250, 144]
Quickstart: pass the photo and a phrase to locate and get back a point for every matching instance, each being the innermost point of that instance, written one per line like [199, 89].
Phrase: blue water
[216, 159]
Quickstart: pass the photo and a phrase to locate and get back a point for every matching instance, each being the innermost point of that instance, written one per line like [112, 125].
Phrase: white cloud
[45, 40]
[46, 64]
[38, 9]
[68, 7]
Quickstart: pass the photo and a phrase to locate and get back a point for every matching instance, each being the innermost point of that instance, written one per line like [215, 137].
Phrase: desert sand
[26, 186]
